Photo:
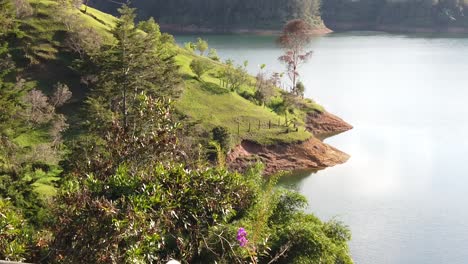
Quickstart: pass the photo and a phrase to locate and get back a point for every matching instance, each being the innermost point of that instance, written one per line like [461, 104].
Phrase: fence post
[238, 128]
[259, 125]
[269, 124]
[249, 126]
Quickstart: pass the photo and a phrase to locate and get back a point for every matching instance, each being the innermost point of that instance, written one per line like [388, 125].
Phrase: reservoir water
[404, 191]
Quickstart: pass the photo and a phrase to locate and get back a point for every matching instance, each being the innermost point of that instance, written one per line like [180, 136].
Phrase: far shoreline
[395, 29]
[192, 29]
[330, 28]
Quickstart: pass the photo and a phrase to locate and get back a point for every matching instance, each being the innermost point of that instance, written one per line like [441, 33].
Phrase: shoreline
[343, 27]
[312, 154]
[193, 29]
[329, 28]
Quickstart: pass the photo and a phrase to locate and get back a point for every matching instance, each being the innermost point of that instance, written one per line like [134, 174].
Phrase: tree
[138, 63]
[223, 137]
[233, 77]
[265, 88]
[294, 39]
[61, 95]
[202, 46]
[199, 67]
[213, 54]
[23, 8]
[226, 15]
[190, 46]
[300, 89]
[150, 26]
[129, 108]
[7, 18]
[83, 40]
[39, 110]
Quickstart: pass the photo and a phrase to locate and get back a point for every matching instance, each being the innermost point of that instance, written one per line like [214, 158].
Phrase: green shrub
[223, 137]
[15, 235]
[148, 217]
[199, 67]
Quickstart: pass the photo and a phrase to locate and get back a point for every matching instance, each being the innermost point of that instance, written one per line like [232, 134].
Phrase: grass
[203, 102]
[32, 138]
[211, 105]
[234, 112]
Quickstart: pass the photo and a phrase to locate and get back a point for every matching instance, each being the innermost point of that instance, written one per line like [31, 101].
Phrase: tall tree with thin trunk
[138, 62]
[294, 39]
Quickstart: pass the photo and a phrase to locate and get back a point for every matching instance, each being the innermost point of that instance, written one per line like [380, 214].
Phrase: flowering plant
[243, 242]
[242, 237]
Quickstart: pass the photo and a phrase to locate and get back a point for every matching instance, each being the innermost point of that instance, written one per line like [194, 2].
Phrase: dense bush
[154, 216]
[223, 137]
[127, 194]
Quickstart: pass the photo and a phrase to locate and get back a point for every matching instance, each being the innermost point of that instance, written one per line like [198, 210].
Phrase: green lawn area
[228, 109]
[211, 105]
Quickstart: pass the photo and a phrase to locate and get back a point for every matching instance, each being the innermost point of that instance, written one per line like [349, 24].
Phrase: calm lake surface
[404, 191]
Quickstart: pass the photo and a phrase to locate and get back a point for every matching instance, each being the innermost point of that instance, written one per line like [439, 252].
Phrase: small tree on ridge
[294, 39]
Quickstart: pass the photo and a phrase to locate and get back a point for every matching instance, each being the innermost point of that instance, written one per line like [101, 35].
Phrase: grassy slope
[211, 105]
[204, 102]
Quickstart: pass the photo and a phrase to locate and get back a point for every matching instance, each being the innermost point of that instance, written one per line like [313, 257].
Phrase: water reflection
[293, 180]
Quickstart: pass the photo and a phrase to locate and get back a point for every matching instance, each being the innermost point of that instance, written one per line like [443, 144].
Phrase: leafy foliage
[213, 54]
[202, 46]
[278, 231]
[126, 191]
[164, 213]
[234, 77]
[14, 233]
[199, 67]
[223, 137]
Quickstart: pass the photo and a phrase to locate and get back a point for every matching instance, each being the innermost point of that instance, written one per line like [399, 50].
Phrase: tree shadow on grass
[213, 88]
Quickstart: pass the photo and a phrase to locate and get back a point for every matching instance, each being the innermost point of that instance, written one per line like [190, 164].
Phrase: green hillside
[113, 142]
[205, 102]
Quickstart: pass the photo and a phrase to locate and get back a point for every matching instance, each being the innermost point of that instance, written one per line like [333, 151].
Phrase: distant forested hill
[224, 14]
[228, 15]
[396, 14]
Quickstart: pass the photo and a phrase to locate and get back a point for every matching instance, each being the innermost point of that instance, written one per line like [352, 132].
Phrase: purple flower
[242, 237]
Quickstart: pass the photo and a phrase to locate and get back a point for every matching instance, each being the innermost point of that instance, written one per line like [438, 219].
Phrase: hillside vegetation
[371, 14]
[225, 14]
[112, 141]
[204, 101]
